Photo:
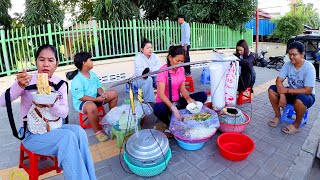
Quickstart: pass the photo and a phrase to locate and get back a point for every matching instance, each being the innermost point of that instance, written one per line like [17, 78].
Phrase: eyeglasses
[295, 55]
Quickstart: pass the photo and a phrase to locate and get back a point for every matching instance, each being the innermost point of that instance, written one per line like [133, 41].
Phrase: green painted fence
[107, 40]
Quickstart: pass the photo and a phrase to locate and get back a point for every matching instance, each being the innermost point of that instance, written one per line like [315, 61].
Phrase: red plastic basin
[235, 146]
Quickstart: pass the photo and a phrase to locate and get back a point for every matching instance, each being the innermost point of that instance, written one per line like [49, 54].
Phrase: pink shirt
[177, 78]
[59, 109]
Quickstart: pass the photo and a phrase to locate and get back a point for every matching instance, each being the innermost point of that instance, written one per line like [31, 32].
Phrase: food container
[232, 115]
[226, 127]
[194, 108]
[44, 98]
[147, 149]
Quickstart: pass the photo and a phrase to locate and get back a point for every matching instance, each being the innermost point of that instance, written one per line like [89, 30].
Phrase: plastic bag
[195, 127]
[124, 114]
[232, 115]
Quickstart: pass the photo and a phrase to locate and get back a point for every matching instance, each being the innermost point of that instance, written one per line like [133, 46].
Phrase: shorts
[307, 99]
[82, 103]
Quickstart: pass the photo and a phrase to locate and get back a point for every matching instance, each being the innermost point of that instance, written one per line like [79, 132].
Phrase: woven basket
[225, 127]
[148, 171]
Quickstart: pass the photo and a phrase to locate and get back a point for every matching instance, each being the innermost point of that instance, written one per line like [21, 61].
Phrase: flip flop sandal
[101, 136]
[290, 129]
[274, 122]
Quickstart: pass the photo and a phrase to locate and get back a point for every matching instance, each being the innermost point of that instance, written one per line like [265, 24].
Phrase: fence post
[193, 32]
[49, 32]
[167, 32]
[95, 36]
[135, 37]
[4, 50]
[214, 36]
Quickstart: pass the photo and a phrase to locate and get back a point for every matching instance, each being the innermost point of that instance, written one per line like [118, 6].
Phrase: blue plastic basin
[190, 146]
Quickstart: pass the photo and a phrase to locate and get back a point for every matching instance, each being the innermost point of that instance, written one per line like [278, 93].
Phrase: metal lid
[149, 144]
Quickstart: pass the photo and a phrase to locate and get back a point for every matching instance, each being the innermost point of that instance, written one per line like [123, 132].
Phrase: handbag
[10, 112]
[40, 120]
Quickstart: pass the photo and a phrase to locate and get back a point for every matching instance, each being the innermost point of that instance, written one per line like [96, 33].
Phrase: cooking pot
[232, 115]
[148, 148]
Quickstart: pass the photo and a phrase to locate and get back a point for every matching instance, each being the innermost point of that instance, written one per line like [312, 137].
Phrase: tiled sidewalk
[273, 155]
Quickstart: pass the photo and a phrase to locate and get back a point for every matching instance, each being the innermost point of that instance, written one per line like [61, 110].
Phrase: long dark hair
[79, 59]
[175, 51]
[243, 43]
[47, 46]
[145, 42]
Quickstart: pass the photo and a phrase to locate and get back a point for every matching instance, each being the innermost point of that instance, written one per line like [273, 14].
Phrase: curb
[302, 164]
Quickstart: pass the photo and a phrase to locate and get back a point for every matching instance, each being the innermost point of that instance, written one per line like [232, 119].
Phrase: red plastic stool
[84, 118]
[32, 168]
[244, 96]
[189, 84]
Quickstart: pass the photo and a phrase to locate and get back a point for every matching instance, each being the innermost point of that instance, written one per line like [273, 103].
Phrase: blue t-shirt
[83, 86]
[299, 78]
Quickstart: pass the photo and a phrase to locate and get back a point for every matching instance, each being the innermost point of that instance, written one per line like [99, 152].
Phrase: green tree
[80, 10]
[309, 12]
[288, 26]
[39, 11]
[5, 18]
[17, 20]
[230, 13]
[115, 9]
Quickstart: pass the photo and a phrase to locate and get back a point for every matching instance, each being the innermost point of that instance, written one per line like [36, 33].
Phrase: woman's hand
[190, 100]
[176, 112]
[23, 79]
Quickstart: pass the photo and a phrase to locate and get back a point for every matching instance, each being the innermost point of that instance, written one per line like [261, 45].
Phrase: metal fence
[107, 40]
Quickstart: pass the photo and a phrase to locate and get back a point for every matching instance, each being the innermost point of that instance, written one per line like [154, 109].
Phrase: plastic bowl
[44, 98]
[235, 146]
[195, 108]
[190, 146]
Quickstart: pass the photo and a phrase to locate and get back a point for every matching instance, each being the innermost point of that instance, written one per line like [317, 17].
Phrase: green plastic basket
[148, 171]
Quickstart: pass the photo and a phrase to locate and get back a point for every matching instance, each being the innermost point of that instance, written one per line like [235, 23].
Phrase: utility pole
[294, 2]
[257, 29]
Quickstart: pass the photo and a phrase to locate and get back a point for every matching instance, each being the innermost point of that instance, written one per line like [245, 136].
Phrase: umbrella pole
[131, 96]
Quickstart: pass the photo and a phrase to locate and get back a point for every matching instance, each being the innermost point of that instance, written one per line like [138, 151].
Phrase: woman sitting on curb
[87, 94]
[301, 77]
[168, 99]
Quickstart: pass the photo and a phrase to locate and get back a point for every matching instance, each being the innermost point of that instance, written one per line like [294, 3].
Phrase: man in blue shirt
[185, 40]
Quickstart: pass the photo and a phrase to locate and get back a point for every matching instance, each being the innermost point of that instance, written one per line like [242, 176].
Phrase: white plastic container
[43, 98]
[217, 83]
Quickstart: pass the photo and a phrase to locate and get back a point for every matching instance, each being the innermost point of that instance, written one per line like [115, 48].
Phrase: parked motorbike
[276, 62]
[261, 61]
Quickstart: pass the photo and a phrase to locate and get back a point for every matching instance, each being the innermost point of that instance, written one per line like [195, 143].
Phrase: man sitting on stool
[301, 93]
